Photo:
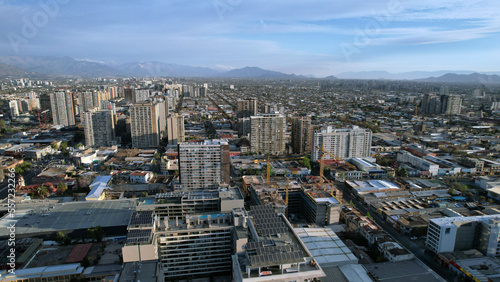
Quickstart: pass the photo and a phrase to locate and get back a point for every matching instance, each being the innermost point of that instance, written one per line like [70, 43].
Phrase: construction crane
[322, 165]
[322, 158]
[268, 161]
[321, 161]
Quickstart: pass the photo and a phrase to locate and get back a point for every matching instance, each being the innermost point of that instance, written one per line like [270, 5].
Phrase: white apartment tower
[267, 133]
[204, 165]
[99, 128]
[345, 143]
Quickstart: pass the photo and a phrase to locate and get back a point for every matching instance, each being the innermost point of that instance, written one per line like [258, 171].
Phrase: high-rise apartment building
[441, 104]
[99, 127]
[345, 143]
[44, 102]
[301, 135]
[175, 129]
[62, 108]
[147, 121]
[267, 133]
[246, 108]
[141, 95]
[85, 102]
[204, 165]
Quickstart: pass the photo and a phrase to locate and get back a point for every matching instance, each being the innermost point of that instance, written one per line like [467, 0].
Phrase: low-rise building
[425, 166]
[36, 153]
[141, 177]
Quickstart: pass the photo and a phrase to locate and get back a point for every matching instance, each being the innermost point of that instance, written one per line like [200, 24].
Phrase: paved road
[417, 250]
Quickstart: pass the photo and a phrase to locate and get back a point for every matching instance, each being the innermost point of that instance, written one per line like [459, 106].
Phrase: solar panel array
[144, 218]
[136, 236]
[269, 259]
[267, 221]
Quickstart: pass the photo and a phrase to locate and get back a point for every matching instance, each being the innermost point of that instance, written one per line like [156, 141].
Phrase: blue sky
[323, 37]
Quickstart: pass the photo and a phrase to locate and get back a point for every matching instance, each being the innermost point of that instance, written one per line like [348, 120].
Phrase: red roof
[78, 253]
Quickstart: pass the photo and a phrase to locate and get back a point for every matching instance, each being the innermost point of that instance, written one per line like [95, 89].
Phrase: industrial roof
[326, 246]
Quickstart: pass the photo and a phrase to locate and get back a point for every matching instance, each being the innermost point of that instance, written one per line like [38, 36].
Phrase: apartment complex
[441, 104]
[62, 108]
[246, 108]
[147, 121]
[204, 165]
[99, 127]
[345, 143]
[175, 129]
[301, 135]
[451, 234]
[426, 167]
[267, 133]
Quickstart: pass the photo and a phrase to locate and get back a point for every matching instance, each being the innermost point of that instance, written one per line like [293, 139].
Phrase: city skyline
[320, 38]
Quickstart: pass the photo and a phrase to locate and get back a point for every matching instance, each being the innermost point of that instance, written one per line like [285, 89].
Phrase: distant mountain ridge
[11, 71]
[67, 66]
[31, 66]
[255, 72]
[465, 78]
[397, 76]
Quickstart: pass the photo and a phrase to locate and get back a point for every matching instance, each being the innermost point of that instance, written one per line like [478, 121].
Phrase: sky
[313, 37]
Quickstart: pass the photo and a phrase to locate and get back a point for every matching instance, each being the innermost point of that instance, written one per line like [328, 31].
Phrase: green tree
[326, 171]
[63, 146]
[78, 145]
[42, 191]
[61, 188]
[18, 170]
[96, 233]
[306, 162]
[60, 237]
[369, 215]
[54, 146]
[402, 172]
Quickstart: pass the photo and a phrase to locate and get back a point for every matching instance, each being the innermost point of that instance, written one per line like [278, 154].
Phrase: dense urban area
[156, 179]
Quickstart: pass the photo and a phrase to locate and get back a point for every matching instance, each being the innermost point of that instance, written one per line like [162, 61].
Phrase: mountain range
[66, 66]
[30, 66]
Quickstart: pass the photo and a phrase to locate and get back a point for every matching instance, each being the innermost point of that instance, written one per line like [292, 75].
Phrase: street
[411, 245]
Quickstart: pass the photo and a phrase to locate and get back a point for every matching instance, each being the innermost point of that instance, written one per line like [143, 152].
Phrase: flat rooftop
[326, 246]
[450, 220]
[372, 185]
[410, 270]
[51, 217]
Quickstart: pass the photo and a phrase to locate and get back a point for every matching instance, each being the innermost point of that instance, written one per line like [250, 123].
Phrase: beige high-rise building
[175, 129]
[204, 165]
[62, 108]
[147, 122]
[99, 127]
[301, 135]
[246, 108]
[345, 143]
[267, 133]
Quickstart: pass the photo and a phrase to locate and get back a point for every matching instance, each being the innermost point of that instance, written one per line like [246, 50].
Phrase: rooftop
[326, 246]
[410, 270]
[51, 217]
